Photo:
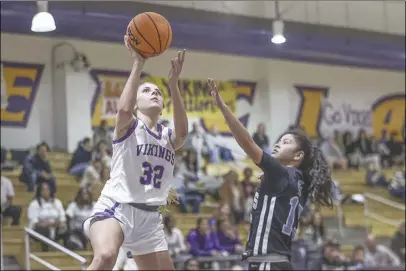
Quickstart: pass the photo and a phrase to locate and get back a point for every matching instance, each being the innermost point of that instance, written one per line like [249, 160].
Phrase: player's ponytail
[315, 170]
[319, 178]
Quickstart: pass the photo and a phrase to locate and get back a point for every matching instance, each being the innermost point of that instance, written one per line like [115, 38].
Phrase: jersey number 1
[151, 173]
[288, 226]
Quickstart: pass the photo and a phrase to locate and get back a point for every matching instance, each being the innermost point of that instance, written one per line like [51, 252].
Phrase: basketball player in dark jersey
[293, 172]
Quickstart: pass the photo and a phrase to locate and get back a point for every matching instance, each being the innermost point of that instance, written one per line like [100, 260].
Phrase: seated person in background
[398, 242]
[222, 212]
[260, 138]
[231, 192]
[357, 258]
[77, 212]
[174, 237]
[226, 238]
[374, 177]
[332, 257]
[190, 194]
[379, 255]
[102, 153]
[46, 215]
[191, 265]
[7, 207]
[396, 150]
[397, 185]
[201, 241]
[81, 158]
[365, 151]
[91, 176]
[7, 162]
[247, 184]
[36, 169]
[333, 154]
[102, 133]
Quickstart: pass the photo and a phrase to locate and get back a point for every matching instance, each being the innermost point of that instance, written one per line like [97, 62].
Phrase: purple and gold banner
[20, 83]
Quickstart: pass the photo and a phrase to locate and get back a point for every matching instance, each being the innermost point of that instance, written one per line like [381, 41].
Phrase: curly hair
[315, 170]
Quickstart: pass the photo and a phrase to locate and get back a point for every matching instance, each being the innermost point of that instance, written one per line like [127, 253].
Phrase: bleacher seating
[13, 237]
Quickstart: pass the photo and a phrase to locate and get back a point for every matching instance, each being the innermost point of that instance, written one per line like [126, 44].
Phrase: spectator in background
[349, 149]
[102, 154]
[357, 258]
[333, 154]
[231, 192]
[398, 242]
[339, 141]
[365, 152]
[378, 255]
[300, 252]
[102, 133]
[397, 185]
[226, 238]
[383, 150]
[191, 265]
[332, 257]
[260, 138]
[212, 145]
[36, 169]
[247, 184]
[7, 207]
[190, 193]
[77, 212]
[375, 178]
[196, 141]
[46, 215]
[222, 212]
[397, 155]
[201, 241]
[174, 237]
[91, 176]
[81, 158]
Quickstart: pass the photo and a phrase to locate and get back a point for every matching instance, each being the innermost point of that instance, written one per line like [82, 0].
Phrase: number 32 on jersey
[151, 174]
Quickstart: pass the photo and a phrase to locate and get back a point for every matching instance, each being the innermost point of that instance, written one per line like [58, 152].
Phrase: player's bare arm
[238, 130]
[128, 98]
[179, 113]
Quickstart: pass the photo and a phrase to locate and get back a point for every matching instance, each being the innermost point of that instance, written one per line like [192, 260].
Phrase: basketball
[149, 33]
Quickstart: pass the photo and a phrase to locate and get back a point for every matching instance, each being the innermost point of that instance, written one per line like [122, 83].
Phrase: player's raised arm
[128, 98]
[240, 133]
[179, 113]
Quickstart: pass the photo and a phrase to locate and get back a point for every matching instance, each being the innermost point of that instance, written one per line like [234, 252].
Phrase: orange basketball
[149, 33]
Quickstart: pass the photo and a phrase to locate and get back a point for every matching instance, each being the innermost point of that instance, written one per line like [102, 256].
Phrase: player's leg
[155, 261]
[151, 250]
[106, 237]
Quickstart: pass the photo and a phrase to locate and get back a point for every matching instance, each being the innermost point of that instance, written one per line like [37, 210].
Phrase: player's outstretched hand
[134, 54]
[218, 101]
[176, 69]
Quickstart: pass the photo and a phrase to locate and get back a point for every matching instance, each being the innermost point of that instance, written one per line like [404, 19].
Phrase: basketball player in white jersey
[126, 214]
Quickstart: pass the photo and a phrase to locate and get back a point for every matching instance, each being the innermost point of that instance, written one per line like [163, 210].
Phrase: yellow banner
[195, 93]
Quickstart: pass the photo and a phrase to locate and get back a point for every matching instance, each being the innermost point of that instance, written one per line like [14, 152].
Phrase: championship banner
[196, 96]
[19, 86]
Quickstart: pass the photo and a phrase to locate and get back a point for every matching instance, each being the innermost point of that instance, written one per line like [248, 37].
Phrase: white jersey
[142, 166]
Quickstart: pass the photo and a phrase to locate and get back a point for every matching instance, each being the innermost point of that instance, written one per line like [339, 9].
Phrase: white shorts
[143, 231]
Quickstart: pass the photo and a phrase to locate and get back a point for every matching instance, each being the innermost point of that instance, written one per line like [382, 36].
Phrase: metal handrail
[28, 255]
[369, 214]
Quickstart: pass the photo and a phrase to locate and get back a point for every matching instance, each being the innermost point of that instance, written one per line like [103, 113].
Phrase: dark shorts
[270, 266]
